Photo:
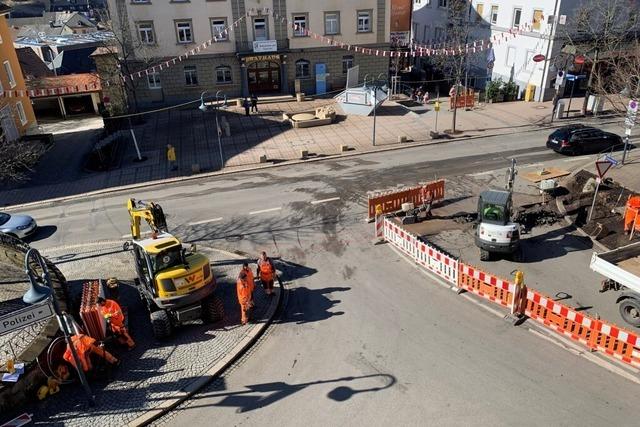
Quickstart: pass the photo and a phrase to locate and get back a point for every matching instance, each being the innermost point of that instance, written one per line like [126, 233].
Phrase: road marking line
[315, 202]
[205, 221]
[265, 210]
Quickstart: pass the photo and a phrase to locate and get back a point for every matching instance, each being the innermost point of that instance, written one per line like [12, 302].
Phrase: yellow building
[16, 113]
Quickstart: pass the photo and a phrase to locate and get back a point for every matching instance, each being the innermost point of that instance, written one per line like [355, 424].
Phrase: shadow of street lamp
[203, 107]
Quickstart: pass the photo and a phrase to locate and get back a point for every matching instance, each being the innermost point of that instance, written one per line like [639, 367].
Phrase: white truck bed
[621, 265]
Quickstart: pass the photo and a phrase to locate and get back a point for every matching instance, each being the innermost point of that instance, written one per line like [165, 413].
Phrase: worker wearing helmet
[266, 271]
[113, 313]
[244, 289]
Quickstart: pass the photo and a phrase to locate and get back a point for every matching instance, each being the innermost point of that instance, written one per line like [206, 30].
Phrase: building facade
[546, 22]
[263, 54]
[16, 113]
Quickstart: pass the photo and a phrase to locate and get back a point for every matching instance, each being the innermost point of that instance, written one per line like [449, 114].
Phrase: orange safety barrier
[486, 285]
[595, 334]
[464, 101]
[632, 214]
[392, 201]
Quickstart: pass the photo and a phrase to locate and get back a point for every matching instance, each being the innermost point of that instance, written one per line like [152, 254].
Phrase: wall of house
[8, 53]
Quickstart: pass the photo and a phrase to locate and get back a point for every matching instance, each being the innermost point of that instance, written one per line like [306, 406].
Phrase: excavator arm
[150, 212]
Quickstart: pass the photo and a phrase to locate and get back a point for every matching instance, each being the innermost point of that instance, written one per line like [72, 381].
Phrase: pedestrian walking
[171, 157]
[246, 106]
[425, 97]
[244, 289]
[254, 103]
[266, 271]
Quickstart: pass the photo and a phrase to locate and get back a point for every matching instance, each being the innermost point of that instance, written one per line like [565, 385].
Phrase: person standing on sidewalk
[254, 103]
[171, 157]
[266, 271]
[244, 289]
[425, 98]
[246, 106]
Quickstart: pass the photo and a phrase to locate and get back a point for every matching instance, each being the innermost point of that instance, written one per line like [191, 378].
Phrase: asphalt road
[365, 339]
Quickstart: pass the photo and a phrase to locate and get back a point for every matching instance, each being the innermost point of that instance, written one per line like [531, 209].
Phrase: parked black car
[579, 139]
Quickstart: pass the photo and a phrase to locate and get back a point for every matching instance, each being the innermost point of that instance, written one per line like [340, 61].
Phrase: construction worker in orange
[266, 271]
[244, 288]
[85, 346]
[113, 313]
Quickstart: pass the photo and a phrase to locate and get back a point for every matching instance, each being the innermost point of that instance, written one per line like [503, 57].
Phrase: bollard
[263, 159]
[195, 168]
[344, 148]
[402, 138]
[304, 154]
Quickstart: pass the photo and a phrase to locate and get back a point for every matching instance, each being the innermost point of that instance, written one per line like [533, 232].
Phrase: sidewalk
[193, 134]
[153, 373]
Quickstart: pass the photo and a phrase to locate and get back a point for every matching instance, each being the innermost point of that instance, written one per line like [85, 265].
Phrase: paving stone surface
[154, 370]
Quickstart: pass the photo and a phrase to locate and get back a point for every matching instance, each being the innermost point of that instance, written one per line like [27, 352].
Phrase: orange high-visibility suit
[266, 271]
[244, 288]
[85, 345]
[111, 311]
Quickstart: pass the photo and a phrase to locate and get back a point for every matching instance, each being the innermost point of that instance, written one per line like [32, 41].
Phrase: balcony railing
[247, 46]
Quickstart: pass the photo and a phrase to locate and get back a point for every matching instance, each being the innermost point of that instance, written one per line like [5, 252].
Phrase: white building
[263, 53]
[544, 25]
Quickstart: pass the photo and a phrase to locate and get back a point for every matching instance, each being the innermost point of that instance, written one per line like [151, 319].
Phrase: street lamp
[204, 108]
[41, 289]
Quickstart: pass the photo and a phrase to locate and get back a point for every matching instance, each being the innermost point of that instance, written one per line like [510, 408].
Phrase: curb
[41, 203]
[214, 371]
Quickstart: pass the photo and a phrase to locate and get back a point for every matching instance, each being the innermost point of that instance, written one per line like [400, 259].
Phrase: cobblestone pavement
[153, 370]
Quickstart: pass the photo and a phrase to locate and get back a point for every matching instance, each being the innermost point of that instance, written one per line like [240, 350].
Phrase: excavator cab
[176, 283]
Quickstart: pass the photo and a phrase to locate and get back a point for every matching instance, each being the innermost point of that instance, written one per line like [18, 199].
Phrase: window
[364, 21]
[331, 23]
[184, 32]
[299, 25]
[190, 75]
[153, 81]
[145, 32]
[21, 114]
[529, 64]
[479, 11]
[439, 34]
[537, 19]
[517, 14]
[511, 56]
[260, 29]
[425, 34]
[347, 62]
[223, 75]
[494, 14]
[218, 26]
[7, 69]
[302, 69]
[442, 3]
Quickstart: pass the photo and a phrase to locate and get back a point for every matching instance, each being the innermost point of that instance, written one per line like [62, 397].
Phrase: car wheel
[577, 151]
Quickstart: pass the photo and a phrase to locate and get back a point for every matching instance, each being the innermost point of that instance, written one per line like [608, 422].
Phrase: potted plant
[493, 90]
[510, 90]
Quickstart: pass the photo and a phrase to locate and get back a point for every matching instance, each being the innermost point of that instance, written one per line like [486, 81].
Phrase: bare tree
[455, 62]
[129, 52]
[605, 32]
[17, 159]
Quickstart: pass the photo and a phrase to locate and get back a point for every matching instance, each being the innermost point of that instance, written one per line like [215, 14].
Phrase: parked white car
[19, 226]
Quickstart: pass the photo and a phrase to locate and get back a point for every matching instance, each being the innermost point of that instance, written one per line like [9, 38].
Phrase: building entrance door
[264, 76]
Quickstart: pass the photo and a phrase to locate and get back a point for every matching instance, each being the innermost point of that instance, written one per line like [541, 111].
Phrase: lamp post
[41, 289]
[203, 108]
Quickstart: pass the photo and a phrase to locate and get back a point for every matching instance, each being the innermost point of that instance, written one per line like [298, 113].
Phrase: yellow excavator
[175, 282]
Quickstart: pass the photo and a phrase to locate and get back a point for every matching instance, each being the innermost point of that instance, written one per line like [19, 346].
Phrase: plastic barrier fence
[391, 201]
[424, 254]
[486, 285]
[593, 333]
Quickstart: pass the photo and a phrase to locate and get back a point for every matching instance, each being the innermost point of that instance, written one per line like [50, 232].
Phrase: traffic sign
[579, 60]
[538, 58]
[602, 167]
[633, 105]
[19, 421]
[611, 160]
[21, 318]
[572, 77]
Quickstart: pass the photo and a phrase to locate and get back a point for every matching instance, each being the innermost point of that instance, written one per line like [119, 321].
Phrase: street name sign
[25, 317]
[602, 167]
[611, 160]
